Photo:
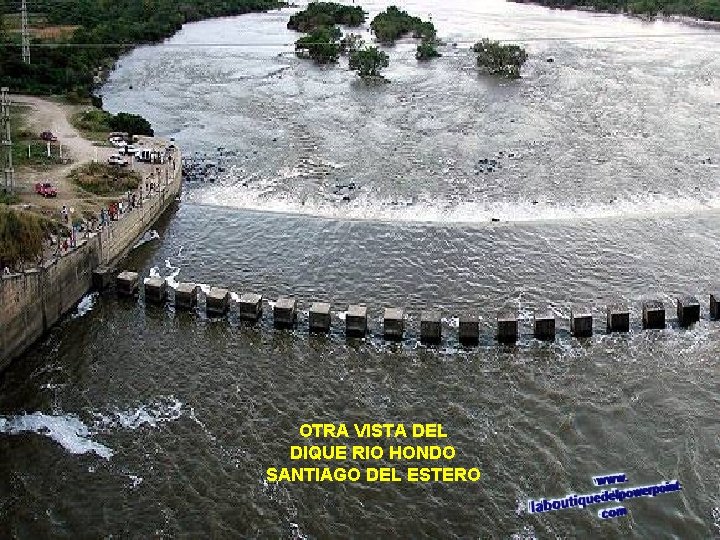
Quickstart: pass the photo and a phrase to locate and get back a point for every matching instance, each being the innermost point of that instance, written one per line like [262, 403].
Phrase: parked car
[118, 160]
[48, 136]
[129, 150]
[117, 142]
[46, 189]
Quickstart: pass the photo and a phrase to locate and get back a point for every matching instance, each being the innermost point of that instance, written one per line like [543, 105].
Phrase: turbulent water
[602, 167]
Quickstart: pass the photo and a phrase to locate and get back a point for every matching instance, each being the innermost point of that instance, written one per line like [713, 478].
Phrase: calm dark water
[141, 422]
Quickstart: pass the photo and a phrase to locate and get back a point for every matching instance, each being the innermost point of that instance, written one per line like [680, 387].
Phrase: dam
[585, 191]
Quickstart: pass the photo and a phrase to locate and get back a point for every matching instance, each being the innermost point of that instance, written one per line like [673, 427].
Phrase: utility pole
[8, 172]
[25, 35]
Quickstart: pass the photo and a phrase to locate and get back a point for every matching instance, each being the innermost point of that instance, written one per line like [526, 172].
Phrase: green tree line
[107, 28]
[708, 10]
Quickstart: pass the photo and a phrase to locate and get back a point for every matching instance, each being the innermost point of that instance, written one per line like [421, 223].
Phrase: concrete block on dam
[356, 321]
[394, 323]
[186, 295]
[688, 310]
[715, 306]
[544, 325]
[469, 328]
[653, 315]
[285, 312]
[430, 326]
[103, 277]
[217, 301]
[155, 290]
[320, 318]
[250, 306]
[507, 327]
[618, 319]
[126, 283]
[581, 322]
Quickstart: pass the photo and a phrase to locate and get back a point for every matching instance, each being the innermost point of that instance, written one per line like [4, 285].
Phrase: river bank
[35, 299]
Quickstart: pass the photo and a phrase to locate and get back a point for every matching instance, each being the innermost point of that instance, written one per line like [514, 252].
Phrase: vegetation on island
[369, 62]
[426, 50]
[708, 10]
[322, 45]
[72, 62]
[325, 15]
[319, 20]
[498, 59]
[393, 23]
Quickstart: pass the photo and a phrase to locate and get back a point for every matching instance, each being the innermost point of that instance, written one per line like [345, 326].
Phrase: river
[601, 169]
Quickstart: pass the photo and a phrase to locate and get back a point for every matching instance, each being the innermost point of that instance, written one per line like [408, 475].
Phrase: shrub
[102, 179]
[498, 59]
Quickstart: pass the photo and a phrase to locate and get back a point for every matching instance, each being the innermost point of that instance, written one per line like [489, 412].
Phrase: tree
[368, 62]
[394, 23]
[322, 45]
[498, 59]
[133, 124]
[325, 14]
[426, 50]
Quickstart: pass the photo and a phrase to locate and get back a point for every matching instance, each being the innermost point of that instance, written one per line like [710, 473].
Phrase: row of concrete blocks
[356, 318]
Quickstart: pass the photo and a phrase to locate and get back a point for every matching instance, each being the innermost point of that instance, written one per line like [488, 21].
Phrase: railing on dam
[507, 331]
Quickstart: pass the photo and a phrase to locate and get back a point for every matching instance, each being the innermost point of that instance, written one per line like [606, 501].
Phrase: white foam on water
[85, 306]
[204, 287]
[70, 432]
[149, 236]
[170, 279]
[67, 430]
[160, 411]
[428, 208]
[136, 480]
[452, 322]
[235, 296]
[174, 273]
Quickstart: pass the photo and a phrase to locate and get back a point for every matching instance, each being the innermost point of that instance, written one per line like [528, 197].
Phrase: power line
[290, 44]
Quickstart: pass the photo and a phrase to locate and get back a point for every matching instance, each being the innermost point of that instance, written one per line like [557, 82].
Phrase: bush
[326, 14]
[322, 45]
[133, 124]
[393, 24]
[369, 62]
[426, 50]
[498, 59]
[102, 179]
[21, 237]
[93, 121]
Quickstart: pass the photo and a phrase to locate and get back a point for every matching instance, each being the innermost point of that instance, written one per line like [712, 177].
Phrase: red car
[45, 189]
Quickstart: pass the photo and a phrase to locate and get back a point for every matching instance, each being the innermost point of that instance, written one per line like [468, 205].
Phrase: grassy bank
[22, 235]
[101, 179]
[28, 149]
[93, 124]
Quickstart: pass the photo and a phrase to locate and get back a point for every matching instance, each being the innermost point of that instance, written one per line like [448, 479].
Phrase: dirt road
[46, 115]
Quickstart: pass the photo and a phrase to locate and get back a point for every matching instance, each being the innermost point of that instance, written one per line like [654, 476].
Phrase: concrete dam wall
[33, 301]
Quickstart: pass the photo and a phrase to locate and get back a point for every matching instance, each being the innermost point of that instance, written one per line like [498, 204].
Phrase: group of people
[111, 212]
